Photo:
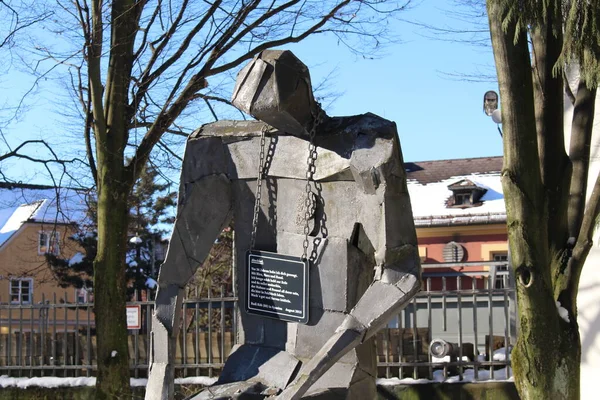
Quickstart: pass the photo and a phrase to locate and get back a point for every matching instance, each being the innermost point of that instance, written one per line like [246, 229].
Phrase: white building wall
[589, 287]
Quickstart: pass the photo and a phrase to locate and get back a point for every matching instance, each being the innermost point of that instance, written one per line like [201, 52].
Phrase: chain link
[310, 172]
[311, 160]
[259, 180]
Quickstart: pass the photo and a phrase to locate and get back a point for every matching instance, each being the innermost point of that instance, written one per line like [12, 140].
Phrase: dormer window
[465, 193]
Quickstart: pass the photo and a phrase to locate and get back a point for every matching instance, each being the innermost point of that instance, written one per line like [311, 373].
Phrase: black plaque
[277, 286]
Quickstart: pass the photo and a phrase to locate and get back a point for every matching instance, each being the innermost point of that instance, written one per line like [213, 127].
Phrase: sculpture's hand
[381, 301]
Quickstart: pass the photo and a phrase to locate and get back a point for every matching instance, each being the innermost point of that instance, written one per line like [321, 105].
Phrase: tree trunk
[111, 128]
[546, 357]
[109, 291]
[547, 353]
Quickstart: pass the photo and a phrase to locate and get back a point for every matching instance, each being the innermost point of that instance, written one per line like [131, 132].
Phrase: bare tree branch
[579, 153]
[16, 23]
[584, 242]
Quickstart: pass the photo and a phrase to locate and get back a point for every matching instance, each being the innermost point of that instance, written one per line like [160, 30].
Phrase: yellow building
[36, 220]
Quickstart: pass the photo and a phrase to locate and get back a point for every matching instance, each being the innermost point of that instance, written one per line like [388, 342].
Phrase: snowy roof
[428, 185]
[426, 172]
[42, 204]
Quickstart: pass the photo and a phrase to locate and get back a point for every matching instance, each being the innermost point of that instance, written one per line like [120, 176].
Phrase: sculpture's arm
[397, 278]
[204, 210]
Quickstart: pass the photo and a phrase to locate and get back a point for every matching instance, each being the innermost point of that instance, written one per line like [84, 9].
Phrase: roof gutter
[487, 219]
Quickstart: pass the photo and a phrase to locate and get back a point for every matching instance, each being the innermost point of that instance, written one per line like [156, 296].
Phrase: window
[21, 290]
[462, 199]
[501, 271]
[82, 295]
[48, 243]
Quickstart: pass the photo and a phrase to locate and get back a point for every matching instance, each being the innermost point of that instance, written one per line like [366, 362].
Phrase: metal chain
[310, 173]
[259, 180]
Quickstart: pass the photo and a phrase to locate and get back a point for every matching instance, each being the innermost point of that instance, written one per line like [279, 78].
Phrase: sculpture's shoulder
[346, 135]
[371, 144]
[367, 124]
[357, 143]
[208, 148]
[230, 129]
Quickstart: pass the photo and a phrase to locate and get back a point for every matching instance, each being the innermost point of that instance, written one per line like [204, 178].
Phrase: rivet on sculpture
[332, 231]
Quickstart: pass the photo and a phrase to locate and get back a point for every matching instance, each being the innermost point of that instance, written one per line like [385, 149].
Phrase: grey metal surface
[365, 263]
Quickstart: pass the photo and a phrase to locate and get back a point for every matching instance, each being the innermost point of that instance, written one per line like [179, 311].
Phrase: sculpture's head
[275, 88]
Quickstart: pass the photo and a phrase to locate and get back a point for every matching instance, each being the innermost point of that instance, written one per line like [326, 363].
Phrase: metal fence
[475, 311]
[57, 337]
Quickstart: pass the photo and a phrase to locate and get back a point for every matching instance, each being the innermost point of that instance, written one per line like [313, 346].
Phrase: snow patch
[138, 382]
[404, 381]
[438, 376]
[500, 354]
[469, 376]
[47, 382]
[54, 382]
[196, 380]
[564, 314]
[446, 359]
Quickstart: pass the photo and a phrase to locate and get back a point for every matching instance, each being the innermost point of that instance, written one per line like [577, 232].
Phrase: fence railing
[474, 311]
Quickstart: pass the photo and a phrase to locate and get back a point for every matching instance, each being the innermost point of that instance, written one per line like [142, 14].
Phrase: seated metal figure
[331, 191]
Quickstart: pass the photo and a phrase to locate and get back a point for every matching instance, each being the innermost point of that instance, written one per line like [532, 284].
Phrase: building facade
[35, 221]
[460, 219]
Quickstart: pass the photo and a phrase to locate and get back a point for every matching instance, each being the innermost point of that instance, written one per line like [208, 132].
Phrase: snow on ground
[46, 381]
[195, 380]
[54, 382]
[445, 359]
[500, 354]
[483, 375]
[398, 381]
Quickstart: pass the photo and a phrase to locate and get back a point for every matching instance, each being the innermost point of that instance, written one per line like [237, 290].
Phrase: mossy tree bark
[114, 183]
[549, 226]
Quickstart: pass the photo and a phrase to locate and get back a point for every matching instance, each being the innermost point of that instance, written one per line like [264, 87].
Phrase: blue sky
[438, 117]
